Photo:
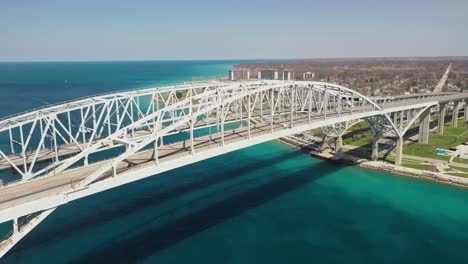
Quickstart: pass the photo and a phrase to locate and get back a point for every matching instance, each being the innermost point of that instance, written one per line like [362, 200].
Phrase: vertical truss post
[249, 116]
[114, 169]
[117, 114]
[82, 127]
[108, 118]
[222, 124]
[42, 133]
[54, 137]
[272, 105]
[192, 147]
[132, 104]
[94, 120]
[155, 151]
[261, 106]
[15, 227]
[241, 111]
[292, 103]
[69, 127]
[309, 114]
[23, 151]
[325, 104]
[221, 117]
[12, 146]
[338, 101]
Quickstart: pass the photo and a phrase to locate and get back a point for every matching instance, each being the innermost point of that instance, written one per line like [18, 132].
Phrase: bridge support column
[441, 122]
[456, 106]
[339, 146]
[375, 148]
[424, 127]
[399, 151]
[324, 142]
[465, 114]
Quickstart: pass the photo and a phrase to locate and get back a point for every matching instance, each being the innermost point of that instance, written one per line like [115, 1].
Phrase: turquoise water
[265, 204]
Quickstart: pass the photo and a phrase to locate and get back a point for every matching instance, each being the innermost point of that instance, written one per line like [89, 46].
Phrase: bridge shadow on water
[235, 202]
[195, 215]
[134, 205]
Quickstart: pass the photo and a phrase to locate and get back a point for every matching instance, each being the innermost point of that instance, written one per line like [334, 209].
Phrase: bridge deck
[70, 149]
[53, 185]
[49, 153]
[43, 187]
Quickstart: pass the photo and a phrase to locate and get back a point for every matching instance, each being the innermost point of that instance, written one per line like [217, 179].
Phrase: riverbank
[378, 165]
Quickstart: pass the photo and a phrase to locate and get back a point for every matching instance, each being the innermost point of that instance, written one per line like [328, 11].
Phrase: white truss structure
[113, 139]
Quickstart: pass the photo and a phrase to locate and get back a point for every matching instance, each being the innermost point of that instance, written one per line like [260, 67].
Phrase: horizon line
[239, 59]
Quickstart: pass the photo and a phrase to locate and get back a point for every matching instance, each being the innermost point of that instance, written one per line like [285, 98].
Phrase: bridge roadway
[69, 149]
[35, 189]
[43, 187]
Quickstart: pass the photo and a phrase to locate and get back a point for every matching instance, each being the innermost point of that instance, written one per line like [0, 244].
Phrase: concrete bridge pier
[456, 106]
[425, 120]
[465, 114]
[399, 151]
[375, 148]
[339, 145]
[441, 122]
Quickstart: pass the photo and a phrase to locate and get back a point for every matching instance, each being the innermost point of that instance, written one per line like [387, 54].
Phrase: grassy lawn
[358, 135]
[464, 161]
[423, 150]
[459, 168]
[458, 174]
[452, 137]
[317, 132]
[410, 163]
[360, 126]
[391, 159]
[417, 166]
[359, 140]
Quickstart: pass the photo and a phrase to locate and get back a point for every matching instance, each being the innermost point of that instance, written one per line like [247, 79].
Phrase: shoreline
[435, 177]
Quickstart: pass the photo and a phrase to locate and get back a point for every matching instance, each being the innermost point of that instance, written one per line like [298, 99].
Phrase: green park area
[462, 172]
[452, 137]
[360, 135]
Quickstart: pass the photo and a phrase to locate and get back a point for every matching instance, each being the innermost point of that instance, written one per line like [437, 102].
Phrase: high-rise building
[288, 75]
[239, 74]
[308, 76]
[269, 74]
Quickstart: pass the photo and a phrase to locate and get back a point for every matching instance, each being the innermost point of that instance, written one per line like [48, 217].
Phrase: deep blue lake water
[265, 204]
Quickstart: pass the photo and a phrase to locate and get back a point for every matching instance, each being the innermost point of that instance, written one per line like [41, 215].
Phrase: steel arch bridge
[60, 153]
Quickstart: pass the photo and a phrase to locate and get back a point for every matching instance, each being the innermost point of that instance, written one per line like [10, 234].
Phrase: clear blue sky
[48, 30]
